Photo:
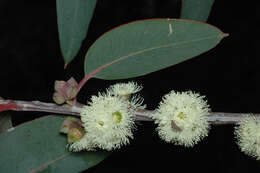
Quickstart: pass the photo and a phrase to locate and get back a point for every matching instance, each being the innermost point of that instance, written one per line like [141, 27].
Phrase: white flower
[248, 136]
[108, 123]
[182, 118]
[136, 102]
[83, 144]
[124, 89]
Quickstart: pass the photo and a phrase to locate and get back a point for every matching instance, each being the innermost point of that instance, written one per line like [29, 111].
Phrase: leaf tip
[225, 35]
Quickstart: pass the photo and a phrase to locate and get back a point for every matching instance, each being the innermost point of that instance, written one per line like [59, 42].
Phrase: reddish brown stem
[217, 118]
[83, 81]
[17, 105]
[90, 75]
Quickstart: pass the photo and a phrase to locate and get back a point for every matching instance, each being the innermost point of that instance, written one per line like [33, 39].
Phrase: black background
[228, 75]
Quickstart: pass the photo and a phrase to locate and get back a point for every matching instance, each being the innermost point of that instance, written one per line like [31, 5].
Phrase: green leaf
[142, 47]
[37, 146]
[5, 122]
[196, 9]
[74, 17]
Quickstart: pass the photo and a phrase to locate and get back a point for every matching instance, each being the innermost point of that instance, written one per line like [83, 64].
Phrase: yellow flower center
[125, 96]
[117, 117]
[181, 115]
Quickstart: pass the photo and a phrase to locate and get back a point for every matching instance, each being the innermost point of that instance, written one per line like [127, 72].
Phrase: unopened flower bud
[58, 85]
[65, 91]
[75, 134]
[70, 122]
[58, 98]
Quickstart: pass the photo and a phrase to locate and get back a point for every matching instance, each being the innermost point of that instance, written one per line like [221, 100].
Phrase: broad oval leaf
[37, 146]
[196, 9]
[142, 47]
[74, 17]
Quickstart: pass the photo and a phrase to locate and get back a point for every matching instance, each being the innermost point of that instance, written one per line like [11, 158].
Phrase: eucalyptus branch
[17, 105]
[141, 115]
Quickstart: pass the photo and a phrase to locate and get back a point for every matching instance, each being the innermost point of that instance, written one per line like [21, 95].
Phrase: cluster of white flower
[248, 136]
[182, 118]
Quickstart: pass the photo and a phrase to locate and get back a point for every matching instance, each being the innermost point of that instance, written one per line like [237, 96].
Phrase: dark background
[228, 75]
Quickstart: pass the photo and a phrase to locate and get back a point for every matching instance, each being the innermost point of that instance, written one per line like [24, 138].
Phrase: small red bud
[58, 85]
[65, 91]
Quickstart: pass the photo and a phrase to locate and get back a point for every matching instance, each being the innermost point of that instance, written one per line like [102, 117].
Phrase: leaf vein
[146, 50]
[50, 162]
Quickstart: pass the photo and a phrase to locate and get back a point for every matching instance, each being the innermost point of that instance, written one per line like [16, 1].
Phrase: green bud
[58, 85]
[75, 134]
[70, 122]
[58, 98]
